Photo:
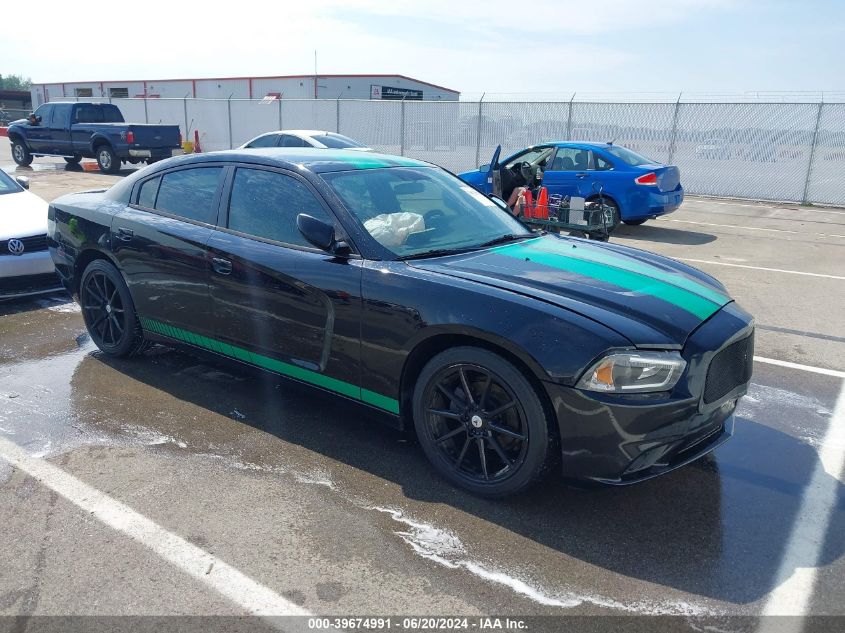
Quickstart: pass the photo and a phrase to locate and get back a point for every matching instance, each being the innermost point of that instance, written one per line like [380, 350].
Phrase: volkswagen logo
[16, 247]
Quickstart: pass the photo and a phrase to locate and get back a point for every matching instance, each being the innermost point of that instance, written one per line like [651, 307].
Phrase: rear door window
[149, 190]
[190, 193]
[265, 204]
[570, 159]
[293, 141]
[268, 140]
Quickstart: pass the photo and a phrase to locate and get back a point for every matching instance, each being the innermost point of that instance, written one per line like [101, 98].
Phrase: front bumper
[615, 439]
[27, 274]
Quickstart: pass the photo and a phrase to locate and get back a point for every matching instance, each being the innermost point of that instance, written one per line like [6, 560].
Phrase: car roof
[299, 132]
[299, 158]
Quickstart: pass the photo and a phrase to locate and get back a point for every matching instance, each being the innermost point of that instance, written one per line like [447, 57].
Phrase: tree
[15, 82]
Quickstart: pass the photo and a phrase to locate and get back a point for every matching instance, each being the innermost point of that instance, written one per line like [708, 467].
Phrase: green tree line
[15, 82]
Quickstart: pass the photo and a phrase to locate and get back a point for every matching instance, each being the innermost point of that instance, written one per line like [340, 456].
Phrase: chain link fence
[769, 151]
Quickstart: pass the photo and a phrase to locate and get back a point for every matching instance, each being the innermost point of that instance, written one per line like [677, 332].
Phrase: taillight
[130, 137]
[647, 179]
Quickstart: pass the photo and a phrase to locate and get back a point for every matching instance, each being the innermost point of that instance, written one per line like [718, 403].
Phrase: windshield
[627, 156]
[412, 211]
[336, 141]
[8, 185]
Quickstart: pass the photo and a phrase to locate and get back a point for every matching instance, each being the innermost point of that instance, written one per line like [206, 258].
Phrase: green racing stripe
[271, 364]
[630, 274]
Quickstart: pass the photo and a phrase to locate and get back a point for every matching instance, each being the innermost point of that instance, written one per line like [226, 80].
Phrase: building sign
[388, 92]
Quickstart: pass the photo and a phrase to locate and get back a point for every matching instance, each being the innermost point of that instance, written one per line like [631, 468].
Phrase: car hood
[22, 214]
[649, 299]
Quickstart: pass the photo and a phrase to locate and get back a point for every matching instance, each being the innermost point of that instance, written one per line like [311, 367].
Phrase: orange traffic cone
[197, 148]
[542, 209]
[528, 204]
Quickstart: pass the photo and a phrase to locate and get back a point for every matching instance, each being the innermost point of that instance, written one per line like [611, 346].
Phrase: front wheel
[481, 423]
[107, 160]
[73, 160]
[20, 154]
[108, 310]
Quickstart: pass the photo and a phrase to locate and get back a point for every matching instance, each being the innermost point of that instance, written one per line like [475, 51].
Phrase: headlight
[626, 372]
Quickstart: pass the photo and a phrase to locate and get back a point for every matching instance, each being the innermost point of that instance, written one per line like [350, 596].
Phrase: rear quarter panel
[78, 228]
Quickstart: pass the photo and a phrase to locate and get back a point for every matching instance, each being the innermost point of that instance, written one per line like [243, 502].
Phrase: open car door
[493, 181]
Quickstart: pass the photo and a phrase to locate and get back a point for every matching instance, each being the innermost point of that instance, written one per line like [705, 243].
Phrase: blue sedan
[636, 187]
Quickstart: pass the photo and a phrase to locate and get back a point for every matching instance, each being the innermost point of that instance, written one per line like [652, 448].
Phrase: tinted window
[293, 141]
[94, 113]
[189, 193]
[268, 140]
[44, 112]
[61, 115]
[535, 156]
[336, 141]
[601, 163]
[627, 156]
[147, 195]
[266, 203]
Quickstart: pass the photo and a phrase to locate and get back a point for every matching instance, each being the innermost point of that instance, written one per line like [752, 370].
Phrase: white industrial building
[394, 87]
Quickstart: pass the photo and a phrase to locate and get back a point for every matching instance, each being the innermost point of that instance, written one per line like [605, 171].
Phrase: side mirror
[23, 181]
[320, 234]
[500, 203]
[484, 168]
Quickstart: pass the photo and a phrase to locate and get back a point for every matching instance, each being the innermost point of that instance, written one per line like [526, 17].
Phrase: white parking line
[766, 206]
[797, 572]
[771, 270]
[253, 597]
[816, 370]
[733, 226]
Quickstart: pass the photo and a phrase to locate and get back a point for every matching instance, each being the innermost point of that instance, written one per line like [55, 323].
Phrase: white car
[305, 138]
[26, 267]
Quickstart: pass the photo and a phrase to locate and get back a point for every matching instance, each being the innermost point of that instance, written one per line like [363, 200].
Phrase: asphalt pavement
[172, 484]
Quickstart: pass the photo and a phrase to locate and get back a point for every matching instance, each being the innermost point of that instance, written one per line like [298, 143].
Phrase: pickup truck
[90, 130]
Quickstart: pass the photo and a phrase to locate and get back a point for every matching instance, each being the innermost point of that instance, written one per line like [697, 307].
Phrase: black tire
[505, 424]
[108, 310]
[107, 160]
[635, 222]
[73, 160]
[20, 153]
[615, 217]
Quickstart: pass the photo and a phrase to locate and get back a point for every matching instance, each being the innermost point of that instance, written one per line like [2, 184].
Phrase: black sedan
[392, 283]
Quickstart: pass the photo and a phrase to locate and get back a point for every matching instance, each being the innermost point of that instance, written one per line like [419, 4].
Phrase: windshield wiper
[437, 252]
[504, 239]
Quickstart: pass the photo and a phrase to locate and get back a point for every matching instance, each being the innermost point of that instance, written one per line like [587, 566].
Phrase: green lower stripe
[271, 364]
[629, 280]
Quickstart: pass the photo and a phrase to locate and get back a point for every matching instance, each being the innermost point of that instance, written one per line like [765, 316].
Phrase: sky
[542, 47]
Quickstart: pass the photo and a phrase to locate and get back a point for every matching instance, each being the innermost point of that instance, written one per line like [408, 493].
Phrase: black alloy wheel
[481, 423]
[108, 311]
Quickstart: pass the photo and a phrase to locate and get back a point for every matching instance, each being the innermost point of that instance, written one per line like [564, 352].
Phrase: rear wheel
[20, 154]
[108, 311]
[481, 423]
[635, 222]
[107, 159]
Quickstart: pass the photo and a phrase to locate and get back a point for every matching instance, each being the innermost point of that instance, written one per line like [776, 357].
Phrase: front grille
[30, 244]
[729, 369]
[10, 286]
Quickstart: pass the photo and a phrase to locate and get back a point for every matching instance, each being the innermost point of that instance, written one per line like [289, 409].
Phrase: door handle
[221, 266]
[124, 234]
[582, 175]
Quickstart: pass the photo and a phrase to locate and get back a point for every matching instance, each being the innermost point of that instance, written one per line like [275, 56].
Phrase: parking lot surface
[172, 484]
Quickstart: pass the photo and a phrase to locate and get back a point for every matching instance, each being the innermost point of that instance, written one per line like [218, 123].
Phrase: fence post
[569, 119]
[229, 108]
[280, 114]
[146, 116]
[185, 106]
[478, 133]
[402, 128]
[337, 116]
[674, 129]
[804, 199]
